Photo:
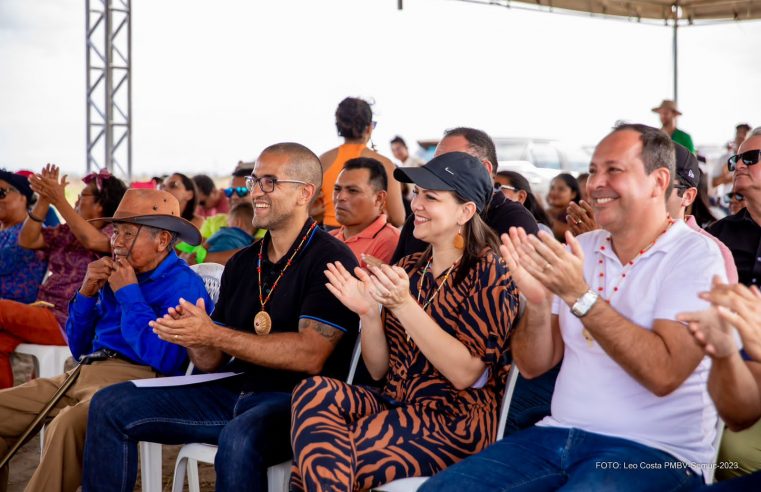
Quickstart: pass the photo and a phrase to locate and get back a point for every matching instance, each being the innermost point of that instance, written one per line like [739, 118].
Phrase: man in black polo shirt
[741, 232]
[275, 319]
[501, 214]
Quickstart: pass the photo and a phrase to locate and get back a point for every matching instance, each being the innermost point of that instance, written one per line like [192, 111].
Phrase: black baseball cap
[687, 166]
[453, 171]
[243, 169]
[18, 181]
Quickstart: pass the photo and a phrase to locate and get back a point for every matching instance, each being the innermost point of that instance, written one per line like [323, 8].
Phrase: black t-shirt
[742, 236]
[501, 215]
[301, 293]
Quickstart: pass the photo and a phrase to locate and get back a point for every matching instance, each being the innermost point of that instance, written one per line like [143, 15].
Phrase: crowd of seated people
[640, 333]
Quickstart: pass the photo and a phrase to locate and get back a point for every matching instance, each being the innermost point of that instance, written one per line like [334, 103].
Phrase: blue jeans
[549, 458]
[252, 431]
[531, 400]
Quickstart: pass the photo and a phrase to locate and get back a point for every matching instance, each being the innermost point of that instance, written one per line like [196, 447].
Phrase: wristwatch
[584, 304]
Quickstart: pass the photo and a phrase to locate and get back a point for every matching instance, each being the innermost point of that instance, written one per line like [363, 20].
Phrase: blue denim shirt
[119, 321]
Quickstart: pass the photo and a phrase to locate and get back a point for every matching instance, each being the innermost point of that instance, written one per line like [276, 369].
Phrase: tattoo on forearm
[324, 330]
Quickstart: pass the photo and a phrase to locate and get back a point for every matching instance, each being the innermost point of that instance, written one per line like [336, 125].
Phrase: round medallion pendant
[262, 323]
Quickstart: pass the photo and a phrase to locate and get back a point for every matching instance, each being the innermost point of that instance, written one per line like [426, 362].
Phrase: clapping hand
[353, 293]
[541, 266]
[390, 286]
[187, 325]
[581, 218]
[740, 307]
[48, 185]
[710, 329]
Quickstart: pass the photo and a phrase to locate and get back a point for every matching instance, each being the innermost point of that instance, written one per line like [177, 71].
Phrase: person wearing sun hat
[119, 296]
[668, 113]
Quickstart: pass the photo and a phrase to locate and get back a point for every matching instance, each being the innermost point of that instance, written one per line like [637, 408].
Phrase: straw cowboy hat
[154, 208]
[667, 104]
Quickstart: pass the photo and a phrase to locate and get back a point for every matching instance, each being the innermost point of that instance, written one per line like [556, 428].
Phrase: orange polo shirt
[378, 239]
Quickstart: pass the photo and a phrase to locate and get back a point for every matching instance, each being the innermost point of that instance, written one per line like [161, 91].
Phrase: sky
[216, 82]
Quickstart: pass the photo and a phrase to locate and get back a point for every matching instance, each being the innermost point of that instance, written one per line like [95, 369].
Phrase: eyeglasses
[505, 187]
[267, 183]
[734, 196]
[241, 191]
[4, 192]
[749, 158]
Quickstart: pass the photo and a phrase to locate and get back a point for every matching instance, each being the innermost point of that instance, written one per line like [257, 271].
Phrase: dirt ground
[27, 458]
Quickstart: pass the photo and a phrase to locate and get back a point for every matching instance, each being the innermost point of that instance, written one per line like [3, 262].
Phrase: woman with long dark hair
[354, 123]
[517, 188]
[440, 341]
[564, 190]
[184, 190]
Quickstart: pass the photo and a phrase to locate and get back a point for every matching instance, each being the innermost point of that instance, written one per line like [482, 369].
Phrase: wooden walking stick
[68, 382]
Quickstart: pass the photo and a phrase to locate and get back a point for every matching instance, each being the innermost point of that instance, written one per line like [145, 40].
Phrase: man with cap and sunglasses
[119, 296]
[21, 270]
[683, 195]
[741, 232]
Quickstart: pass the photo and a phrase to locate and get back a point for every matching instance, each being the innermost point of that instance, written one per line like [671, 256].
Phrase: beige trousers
[60, 467]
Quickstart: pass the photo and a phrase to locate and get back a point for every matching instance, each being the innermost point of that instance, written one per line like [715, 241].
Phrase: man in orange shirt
[359, 196]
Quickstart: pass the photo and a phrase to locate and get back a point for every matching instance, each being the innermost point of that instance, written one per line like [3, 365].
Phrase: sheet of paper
[182, 380]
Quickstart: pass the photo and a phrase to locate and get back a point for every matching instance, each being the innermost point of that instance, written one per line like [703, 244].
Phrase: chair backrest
[211, 273]
[355, 355]
[512, 377]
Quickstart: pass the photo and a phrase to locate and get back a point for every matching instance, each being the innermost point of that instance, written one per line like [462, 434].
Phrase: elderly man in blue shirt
[111, 311]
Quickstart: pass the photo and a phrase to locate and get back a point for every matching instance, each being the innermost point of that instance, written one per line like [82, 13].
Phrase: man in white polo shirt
[630, 409]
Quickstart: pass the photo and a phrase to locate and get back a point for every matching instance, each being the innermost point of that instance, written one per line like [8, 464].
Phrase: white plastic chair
[411, 484]
[708, 475]
[278, 476]
[150, 452]
[49, 360]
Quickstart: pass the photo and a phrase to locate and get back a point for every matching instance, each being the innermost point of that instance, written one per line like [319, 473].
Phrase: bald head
[302, 163]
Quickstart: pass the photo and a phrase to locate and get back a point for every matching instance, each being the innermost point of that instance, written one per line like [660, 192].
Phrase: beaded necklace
[438, 288]
[629, 266]
[262, 320]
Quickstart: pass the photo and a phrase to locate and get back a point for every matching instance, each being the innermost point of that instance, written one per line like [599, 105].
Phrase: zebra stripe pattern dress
[348, 437]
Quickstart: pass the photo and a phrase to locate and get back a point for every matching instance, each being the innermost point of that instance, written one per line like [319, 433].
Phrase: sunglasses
[748, 158]
[4, 192]
[267, 183]
[734, 196]
[241, 191]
